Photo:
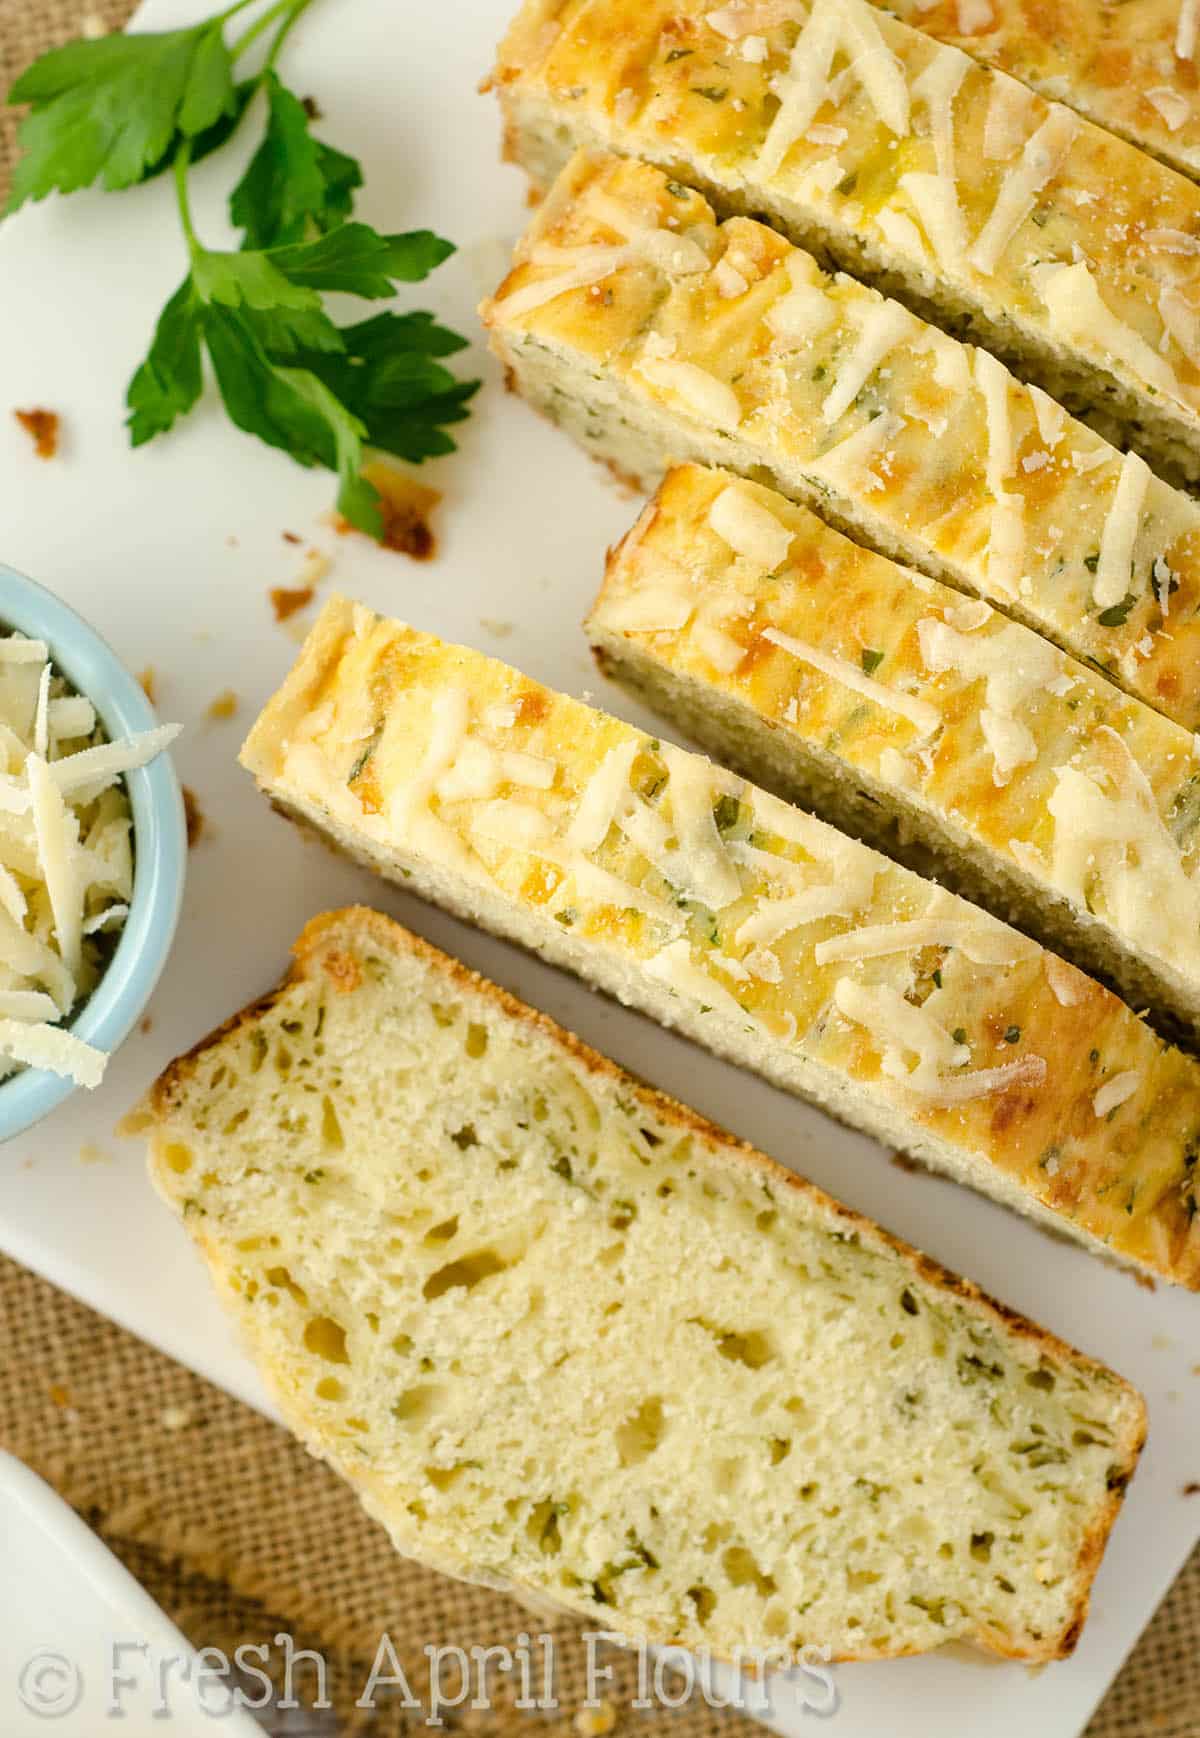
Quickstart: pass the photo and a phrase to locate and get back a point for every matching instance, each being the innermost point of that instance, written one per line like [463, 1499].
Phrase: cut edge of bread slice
[696, 107]
[919, 446]
[710, 547]
[1022, 1131]
[333, 959]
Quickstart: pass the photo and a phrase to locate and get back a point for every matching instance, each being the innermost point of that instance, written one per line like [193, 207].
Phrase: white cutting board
[170, 552]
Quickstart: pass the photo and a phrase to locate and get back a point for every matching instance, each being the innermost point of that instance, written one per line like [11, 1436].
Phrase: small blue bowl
[159, 841]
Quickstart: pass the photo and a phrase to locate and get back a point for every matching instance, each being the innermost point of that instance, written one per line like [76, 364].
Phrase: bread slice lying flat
[565, 1337]
[652, 334]
[1130, 68]
[1064, 249]
[1032, 785]
[765, 934]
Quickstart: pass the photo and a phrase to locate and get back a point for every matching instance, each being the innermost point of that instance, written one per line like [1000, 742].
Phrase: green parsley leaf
[124, 108]
[110, 109]
[387, 375]
[358, 500]
[871, 661]
[357, 260]
[248, 279]
[290, 408]
[170, 380]
[294, 185]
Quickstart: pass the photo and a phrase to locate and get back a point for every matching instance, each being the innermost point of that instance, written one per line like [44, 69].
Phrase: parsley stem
[182, 160]
[241, 43]
[288, 25]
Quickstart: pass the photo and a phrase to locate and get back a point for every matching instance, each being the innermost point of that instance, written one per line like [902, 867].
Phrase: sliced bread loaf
[765, 934]
[920, 720]
[1065, 250]
[565, 1337]
[652, 334]
[1130, 68]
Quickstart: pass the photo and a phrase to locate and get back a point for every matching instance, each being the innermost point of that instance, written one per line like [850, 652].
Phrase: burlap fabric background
[240, 1536]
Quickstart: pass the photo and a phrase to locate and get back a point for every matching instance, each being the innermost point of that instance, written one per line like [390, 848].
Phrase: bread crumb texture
[509, 1294]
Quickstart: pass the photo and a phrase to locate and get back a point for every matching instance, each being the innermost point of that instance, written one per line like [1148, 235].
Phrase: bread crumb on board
[193, 816]
[314, 567]
[91, 1153]
[148, 678]
[42, 426]
[287, 600]
[406, 506]
[225, 705]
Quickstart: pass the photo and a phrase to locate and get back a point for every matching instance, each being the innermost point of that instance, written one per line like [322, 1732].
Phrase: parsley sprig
[125, 108]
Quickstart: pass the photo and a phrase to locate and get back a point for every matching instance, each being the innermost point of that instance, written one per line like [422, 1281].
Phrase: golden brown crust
[670, 80]
[1034, 1136]
[1116, 64]
[1015, 716]
[319, 954]
[926, 490]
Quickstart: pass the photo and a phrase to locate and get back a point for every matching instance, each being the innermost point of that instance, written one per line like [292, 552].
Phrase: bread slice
[765, 934]
[1067, 251]
[804, 661]
[651, 334]
[1130, 68]
[565, 1337]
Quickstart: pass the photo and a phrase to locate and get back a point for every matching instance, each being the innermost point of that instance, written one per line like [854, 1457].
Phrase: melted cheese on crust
[1119, 65]
[873, 122]
[1046, 766]
[362, 673]
[1030, 539]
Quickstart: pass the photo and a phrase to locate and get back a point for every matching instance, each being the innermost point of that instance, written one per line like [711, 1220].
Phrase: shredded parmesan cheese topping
[1038, 164]
[1113, 852]
[833, 25]
[901, 1030]
[1116, 1091]
[1113, 570]
[1015, 664]
[749, 528]
[920, 713]
[66, 862]
[699, 390]
[1077, 309]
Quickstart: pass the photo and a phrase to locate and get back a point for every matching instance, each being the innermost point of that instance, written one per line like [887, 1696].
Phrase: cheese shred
[66, 859]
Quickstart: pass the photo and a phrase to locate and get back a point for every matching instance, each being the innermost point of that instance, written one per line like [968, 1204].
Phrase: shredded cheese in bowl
[66, 858]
